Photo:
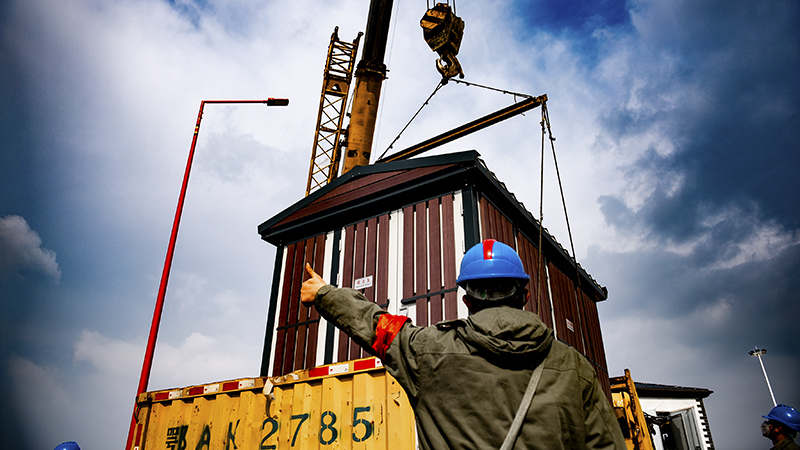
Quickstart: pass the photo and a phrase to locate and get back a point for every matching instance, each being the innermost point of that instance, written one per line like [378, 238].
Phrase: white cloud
[21, 250]
[120, 82]
[108, 356]
[202, 358]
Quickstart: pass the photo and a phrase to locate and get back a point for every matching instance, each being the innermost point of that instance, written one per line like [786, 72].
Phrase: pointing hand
[310, 287]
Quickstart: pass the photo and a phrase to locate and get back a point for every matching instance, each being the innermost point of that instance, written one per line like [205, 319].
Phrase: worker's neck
[778, 438]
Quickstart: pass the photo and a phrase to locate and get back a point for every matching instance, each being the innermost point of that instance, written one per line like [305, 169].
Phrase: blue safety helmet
[71, 445]
[491, 259]
[786, 415]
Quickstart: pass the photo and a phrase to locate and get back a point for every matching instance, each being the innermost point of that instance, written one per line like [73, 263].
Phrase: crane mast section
[330, 133]
[370, 74]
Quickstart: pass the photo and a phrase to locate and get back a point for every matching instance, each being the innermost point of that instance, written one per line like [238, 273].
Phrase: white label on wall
[363, 283]
[570, 327]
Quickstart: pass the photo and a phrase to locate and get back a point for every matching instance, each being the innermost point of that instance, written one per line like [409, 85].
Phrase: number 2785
[328, 433]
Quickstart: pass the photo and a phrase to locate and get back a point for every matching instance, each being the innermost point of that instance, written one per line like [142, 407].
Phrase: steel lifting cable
[578, 288]
[541, 219]
[425, 103]
[515, 94]
[441, 84]
[546, 119]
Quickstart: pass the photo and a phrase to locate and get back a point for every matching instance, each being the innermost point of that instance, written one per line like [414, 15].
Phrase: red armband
[387, 329]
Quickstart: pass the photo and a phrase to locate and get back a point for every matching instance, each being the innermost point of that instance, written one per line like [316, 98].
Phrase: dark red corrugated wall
[429, 273]
[575, 315]
[296, 337]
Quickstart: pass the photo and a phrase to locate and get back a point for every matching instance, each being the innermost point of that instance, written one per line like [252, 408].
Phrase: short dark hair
[785, 429]
[517, 301]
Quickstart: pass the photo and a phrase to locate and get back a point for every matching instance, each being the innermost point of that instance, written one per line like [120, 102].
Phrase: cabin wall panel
[449, 257]
[297, 327]
[419, 247]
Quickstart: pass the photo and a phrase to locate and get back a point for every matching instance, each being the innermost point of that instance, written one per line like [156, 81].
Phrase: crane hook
[443, 31]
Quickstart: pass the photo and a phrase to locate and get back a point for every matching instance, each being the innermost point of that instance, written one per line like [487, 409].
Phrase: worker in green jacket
[781, 427]
[470, 381]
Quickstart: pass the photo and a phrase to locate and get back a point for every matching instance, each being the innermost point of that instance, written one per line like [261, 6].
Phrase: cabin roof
[369, 191]
[651, 390]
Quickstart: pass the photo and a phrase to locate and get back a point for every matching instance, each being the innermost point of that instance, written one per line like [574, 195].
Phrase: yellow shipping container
[349, 405]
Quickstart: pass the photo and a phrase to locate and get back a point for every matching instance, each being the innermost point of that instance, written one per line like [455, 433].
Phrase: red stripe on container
[196, 390]
[318, 372]
[230, 386]
[364, 364]
[161, 396]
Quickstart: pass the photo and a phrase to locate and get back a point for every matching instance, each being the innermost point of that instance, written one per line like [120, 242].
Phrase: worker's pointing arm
[366, 323]
[310, 287]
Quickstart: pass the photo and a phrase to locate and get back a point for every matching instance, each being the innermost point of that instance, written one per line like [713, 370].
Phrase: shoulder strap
[513, 432]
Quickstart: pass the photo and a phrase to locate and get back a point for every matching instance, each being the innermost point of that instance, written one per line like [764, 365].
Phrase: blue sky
[677, 129]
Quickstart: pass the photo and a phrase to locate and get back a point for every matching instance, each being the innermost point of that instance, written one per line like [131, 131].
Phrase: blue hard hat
[491, 259]
[70, 445]
[786, 415]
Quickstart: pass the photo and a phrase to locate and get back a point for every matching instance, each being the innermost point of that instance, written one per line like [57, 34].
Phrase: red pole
[144, 378]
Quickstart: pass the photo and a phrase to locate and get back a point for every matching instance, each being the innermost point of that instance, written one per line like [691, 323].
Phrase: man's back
[466, 378]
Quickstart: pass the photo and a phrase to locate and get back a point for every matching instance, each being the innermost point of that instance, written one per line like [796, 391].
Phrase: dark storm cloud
[708, 94]
[700, 323]
[760, 297]
[577, 21]
[17, 159]
[735, 123]
[580, 16]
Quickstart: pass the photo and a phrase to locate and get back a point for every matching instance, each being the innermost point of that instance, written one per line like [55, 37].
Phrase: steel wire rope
[468, 83]
[425, 103]
[545, 123]
[541, 220]
[578, 287]
[441, 84]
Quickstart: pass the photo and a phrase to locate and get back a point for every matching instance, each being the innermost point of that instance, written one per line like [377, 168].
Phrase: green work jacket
[786, 444]
[466, 378]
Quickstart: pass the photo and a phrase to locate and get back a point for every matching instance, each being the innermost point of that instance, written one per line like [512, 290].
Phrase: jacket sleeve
[351, 312]
[376, 331]
[602, 429]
